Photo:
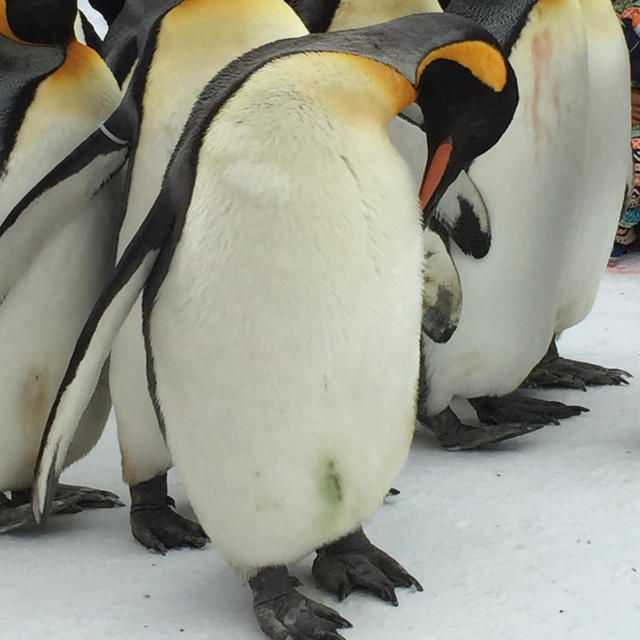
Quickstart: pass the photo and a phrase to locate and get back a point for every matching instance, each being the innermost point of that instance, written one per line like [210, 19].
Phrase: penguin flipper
[442, 290]
[462, 216]
[62, 194]
[90, 353]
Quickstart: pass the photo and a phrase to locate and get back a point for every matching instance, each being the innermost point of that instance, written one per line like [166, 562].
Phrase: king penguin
[602, 195]
[178, 48]
[281, 274]
[54, 92]
[532, 184]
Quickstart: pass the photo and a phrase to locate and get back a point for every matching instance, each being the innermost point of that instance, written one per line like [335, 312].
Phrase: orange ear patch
[483, 60]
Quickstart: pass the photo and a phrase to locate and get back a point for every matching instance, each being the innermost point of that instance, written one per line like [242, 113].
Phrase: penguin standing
[179, 47]
[602, 195]
[54, 92]
[281, 269]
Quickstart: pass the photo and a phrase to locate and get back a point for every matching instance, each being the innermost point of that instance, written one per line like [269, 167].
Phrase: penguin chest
[285, 333]
[67, 107]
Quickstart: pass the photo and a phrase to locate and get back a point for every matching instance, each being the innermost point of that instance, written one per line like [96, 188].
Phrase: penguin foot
[14, 513]
[354, 563]
[520, 409]
[285, 614]
[68, 499]
[574, 374]
[454, 435]
[72, 499]
[155, 524]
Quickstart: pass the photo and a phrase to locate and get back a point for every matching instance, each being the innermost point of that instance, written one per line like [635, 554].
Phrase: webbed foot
[573, 374]
[554, 371]
[521, 409]
[454, 435]
[68, 499]
[354, 563]
[155, 524]
[285, 614]
[72, 499]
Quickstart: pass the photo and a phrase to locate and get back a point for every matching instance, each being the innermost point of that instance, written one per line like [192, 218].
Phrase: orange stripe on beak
[436, 171]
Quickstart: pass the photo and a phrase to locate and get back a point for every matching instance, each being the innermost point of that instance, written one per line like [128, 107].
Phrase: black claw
[354, 563]
[554, 371]
[156, 525]
[283, 613]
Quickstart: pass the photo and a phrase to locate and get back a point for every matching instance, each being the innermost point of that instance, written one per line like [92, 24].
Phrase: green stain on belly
[330, 492]
[331, 485]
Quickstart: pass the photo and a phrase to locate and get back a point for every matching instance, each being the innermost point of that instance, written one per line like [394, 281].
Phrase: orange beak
[435, 173]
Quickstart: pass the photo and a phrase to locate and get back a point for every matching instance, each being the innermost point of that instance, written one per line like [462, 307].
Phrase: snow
[533, 538]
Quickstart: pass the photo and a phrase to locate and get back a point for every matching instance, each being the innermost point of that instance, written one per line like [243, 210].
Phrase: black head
[317, 15]
[42, 21]
[464, 116]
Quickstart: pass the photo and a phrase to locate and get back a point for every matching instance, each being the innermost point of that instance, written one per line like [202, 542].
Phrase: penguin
[283, 251]
[514, 293]
[468, 225]
[602, 194]
[54, 92]
[177, 52]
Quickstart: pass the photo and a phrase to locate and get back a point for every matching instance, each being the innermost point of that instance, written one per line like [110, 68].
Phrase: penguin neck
[357, 89]
[352, 14]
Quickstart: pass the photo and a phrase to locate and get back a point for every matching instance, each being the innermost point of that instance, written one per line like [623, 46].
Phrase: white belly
[285, 337]
[607, 158]
[529, 181]
[40, 320]
[183, 64]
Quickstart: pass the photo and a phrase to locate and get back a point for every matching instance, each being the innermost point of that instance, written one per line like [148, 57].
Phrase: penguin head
[40, 21]
[317, 15]
[467, 92]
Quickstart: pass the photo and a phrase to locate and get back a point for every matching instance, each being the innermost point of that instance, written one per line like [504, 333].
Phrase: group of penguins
[218, 219]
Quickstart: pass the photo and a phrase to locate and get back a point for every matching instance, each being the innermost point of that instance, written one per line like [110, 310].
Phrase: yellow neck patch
[483, 60]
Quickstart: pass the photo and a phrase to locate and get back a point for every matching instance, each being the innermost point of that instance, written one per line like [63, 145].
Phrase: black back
[504, 19]
[128, 34]
[317, 15]
[23, 68]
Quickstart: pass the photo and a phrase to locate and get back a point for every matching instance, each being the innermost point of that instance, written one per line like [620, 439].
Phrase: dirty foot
[156, 525]
[285, 614]
[354, 563]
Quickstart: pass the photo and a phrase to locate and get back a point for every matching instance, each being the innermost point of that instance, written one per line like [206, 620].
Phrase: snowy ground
[538, 538]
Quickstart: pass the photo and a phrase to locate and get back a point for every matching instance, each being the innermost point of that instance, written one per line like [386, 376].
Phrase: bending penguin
[172, 49]
[283, 250]
[516, 294]
[51, 273]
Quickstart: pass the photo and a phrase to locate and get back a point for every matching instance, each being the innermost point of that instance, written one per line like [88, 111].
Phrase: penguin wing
[62, 194]
[442, 292]
[462, 216]
[90, 353]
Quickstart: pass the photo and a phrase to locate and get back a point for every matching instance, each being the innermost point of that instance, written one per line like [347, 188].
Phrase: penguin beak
[435, 172]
